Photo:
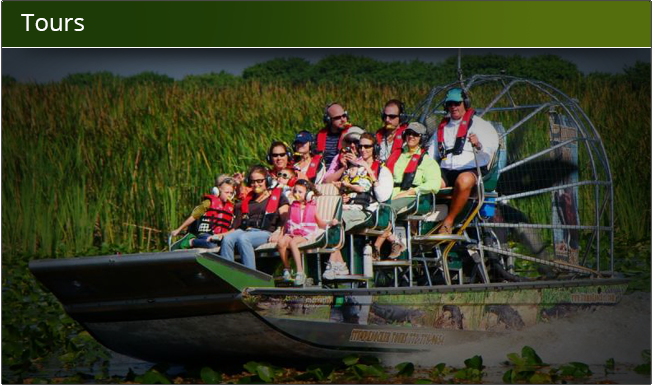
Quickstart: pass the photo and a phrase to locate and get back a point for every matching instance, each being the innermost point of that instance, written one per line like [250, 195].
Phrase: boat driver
[452, 146]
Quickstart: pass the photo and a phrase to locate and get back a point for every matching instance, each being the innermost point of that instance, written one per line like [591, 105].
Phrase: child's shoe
[286, 276]
[300, 279]
[329, 271]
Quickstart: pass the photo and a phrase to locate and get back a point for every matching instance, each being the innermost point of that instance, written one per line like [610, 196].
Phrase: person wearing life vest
[348, 153]
[413, 171]
[303, 223]
[390, 136]
[328, 139]
[308, 165]
[213, 217]
[257, 216]
[355, 212]
[279, 156]
[452, 145]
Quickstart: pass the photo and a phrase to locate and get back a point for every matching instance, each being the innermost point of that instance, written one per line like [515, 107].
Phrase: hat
[454, 95]
[353, 131]
[303, 137]
[417, 128]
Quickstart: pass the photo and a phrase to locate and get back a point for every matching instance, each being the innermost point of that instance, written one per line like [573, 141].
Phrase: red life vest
[410, 170]
[218, 217]
[271, 206]
[462, 130]
[376, 168]
[397, 140]
[321, 139]
[313, 167]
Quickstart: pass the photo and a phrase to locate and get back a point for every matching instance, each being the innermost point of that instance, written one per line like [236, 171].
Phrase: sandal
[444, 229]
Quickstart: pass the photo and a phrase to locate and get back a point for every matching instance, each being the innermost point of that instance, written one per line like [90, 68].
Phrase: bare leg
[461, 192]
[282, 247]
[293, 245]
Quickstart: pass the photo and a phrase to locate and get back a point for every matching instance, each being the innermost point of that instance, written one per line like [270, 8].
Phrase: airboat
[534, 244]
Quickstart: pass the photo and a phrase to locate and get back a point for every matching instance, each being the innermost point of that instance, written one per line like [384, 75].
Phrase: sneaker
[340, 269]
[286, 276]
[300, 279]
[329, 271]
[397, 249]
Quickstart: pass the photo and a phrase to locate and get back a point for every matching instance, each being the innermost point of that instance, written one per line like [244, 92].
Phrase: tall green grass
[87, 168]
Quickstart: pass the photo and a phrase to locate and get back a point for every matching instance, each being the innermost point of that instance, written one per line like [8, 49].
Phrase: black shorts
[450, 176]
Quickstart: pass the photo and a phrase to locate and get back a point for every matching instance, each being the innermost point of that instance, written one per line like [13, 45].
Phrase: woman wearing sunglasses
[348, 153]
[279, 157]
[365, 183]
[413, 171]
[257, 216]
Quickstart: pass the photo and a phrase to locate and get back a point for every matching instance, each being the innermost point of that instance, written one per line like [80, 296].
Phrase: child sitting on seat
[355, 183]
[284, 178]
[213, 217]
[303, 224]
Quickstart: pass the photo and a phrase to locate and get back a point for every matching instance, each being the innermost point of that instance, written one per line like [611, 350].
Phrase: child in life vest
[355, 181]
[213, 216]
[303, 224]
[284, 178]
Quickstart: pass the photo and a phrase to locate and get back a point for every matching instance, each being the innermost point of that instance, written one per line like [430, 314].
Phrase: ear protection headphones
[326, 117]
[401, 110]
[465, 98]
[309, 193]
[422, 140]
[262, 170]
[287, 149]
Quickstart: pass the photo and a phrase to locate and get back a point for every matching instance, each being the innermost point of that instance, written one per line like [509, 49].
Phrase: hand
[175, 232]
[216, 237]
[238, 177]
[474, 141]
[406, 194]
[275, 236]
[350, 157]
[343, 161]
[334, 222]
[337, 184]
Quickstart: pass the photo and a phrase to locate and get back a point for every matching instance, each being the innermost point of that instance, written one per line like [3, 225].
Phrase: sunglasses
[390, 116]
[414, 134]
[278, 155]
[366, 146]
[253, 181]
[450, 104]
[344, 116]
[283, 175]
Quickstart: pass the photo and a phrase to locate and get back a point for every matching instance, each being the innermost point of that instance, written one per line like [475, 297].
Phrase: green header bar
[327, 24]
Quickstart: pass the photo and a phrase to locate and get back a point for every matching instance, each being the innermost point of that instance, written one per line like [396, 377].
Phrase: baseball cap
[303, 137]
[353, 133]
[417, 128]
[454, 95]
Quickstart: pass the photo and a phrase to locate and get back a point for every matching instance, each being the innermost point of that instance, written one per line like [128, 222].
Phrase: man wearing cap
[452, 145]
[390, 136]
[348, 151]
[329, 138]
[308, 166]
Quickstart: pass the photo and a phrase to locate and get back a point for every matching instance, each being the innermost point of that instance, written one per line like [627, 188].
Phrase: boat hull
[196, 307]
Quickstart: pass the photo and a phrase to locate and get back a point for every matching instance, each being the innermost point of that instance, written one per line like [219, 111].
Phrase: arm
[431, 176]
[323, 224]
[384, 186]
[197, 212]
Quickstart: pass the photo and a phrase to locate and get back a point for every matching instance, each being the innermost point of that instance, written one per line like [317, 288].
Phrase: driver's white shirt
[486, 134]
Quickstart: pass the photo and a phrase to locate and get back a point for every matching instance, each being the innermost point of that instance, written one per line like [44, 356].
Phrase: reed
[85, 168]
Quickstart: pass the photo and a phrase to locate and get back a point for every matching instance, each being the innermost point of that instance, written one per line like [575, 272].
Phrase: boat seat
[327, 189]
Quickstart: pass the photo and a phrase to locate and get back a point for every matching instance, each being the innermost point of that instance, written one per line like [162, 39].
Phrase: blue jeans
[246, 242]
[203, 243]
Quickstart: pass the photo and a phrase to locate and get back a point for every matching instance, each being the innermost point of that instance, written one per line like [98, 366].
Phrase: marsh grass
[122, 164]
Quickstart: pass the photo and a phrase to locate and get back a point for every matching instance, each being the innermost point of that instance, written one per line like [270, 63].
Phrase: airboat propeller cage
[554, 181]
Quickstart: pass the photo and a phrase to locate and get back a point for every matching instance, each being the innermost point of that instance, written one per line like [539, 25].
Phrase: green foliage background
[98, 163]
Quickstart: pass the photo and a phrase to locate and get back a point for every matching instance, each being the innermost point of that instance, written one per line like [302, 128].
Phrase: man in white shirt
[452, 146]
